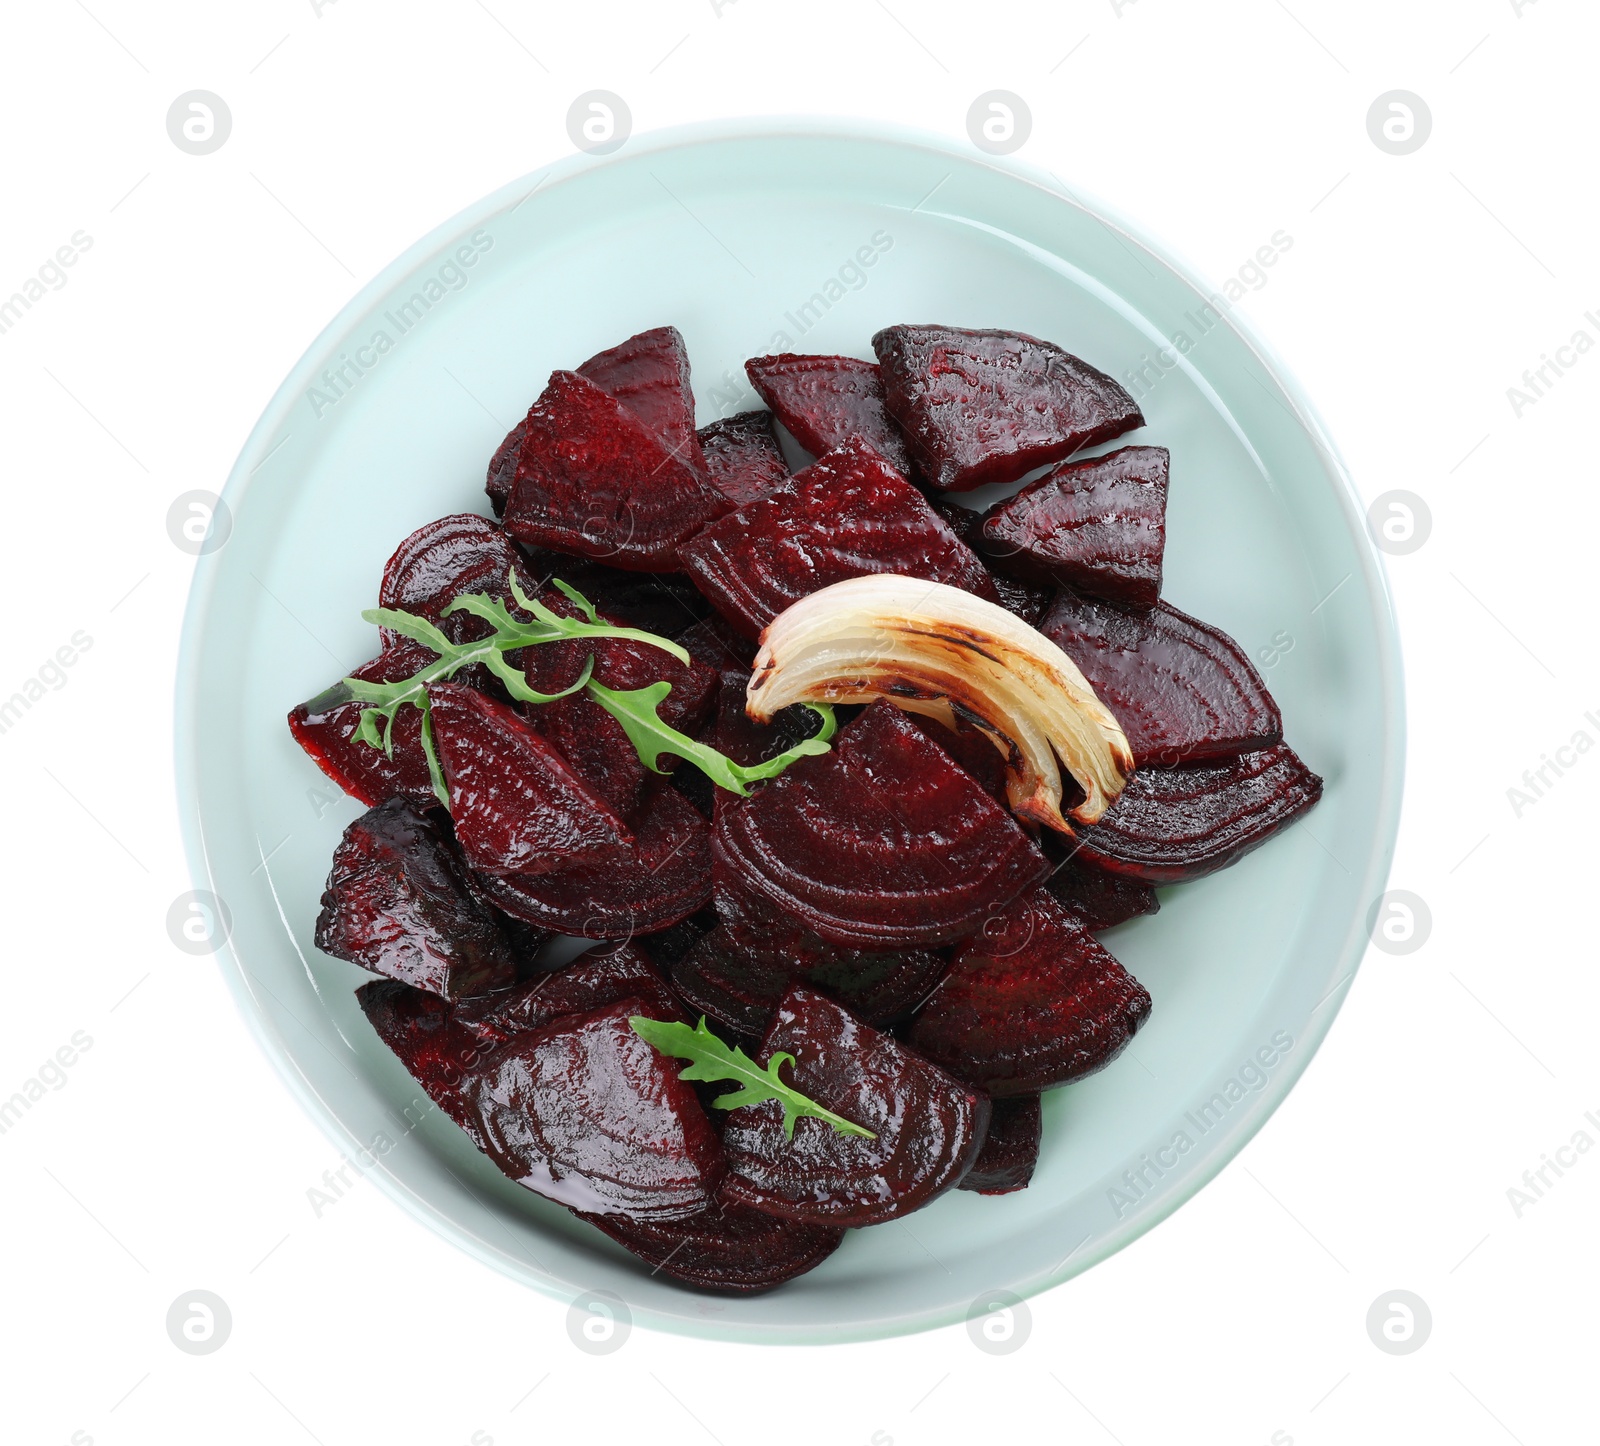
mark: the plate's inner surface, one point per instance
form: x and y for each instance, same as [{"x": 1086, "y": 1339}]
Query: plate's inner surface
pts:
[{"x": 749, "y": 246}]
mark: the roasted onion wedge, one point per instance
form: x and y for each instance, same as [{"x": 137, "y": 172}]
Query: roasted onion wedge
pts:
[{"x": 943, "y": 652}]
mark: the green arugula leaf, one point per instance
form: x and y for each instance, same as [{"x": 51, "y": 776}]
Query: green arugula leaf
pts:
[{"x": 711, "y": 1060}]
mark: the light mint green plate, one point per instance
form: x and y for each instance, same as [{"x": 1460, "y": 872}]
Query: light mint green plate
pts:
[{"x": 747, "y": 237}]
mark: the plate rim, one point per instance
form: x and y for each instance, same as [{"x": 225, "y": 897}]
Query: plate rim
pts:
[{"x": 1374, "y": 579}]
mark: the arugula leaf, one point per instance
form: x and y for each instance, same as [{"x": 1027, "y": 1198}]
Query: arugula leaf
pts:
[{"x": 710, "y": 1059}]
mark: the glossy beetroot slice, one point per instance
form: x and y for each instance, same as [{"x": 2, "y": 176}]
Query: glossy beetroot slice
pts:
[
  {"x": 664, "y": 877},
  {"x": 826, "y": 401},
  {"x": 1010, "y": 1150},
  {"x": 1098, "y": 527},
  {"x": 1182, "y": 691},
  {"x": 463, "y": 553},
  {"x": 743, "y": 458},
  {"x": 736, "y": 976},
  {"x": 1028, "y": 600},
  {"x": 929, "y": 1126},
  {"x": 727, "y": 1248},
  {"x": 398, "y": 902},
  {"x": 1097, "y": 897},
  {"x": 593, "y": 480},
  {"x": 585, "y": 1113},
  {"x": 1173, "y": 824},
  {"x": 1033, "y": 1002},
  {"x": 326, "y": 728},
  {"x": 883, "y": 843},
  {"x": 649, "y": 374},
  {"x": 518, "y": 807},
  {"x": 988, "y": 406},
  {"x": 849, "y": 513}
]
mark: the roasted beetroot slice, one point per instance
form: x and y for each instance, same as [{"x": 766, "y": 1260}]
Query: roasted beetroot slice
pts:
[
  {"x": 421, "y": 1031},
  {"x": 929, "y": 1126},
  {"x": 847, "y": 514},
  {"x": 585, "y": 1113},
  {"x": 398, "y": 902},
  {"x": 593, "y": 480},
  {"x": 737, "y": 977},
  {"x": 1173, "y": 824},
  {"x": 1034, "y": 1002},
  {"x": 1028, "y": 600},
  {"x": 1183, "y": 691},
  {"x": 590, "y": 982},
  {"x": 649, "y": 375},
  {"x": 1010, "y": 1150},
  {"x": 462, "y": 553},
  {"x": 326, "y": 728},
  {"x": 503, "y": 469},
  {"x": 1099, "y": 898},
  {"x": 826, "y": 401},
  {"x": 662, "y": 879},
  {"x": 885, "y": 842},
  {"x": 518, "y": 807},
  {"x": 727, "y": 1248},
  {"x": 1098, "y": 527},
  {"x": 743, "y": 458},
  {"x": 988, "y": 406},
  {"x": 972, "y": 750}
]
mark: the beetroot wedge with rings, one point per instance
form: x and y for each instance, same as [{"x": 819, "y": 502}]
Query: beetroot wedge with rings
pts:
[
  {"x": 587, "y": 1114},
  {"x": 1099, "y": 898},
  {"x": 884, "y": 842},
  {"x": 1010, "y": 1150},
  {"x": 463, "y": 553},
  {"x": 1175, "y": 824},
  {"x": 593, "y": 480},
  {"x": 1098, "y": 527},
  {"x": 660, "y": 880},
  {"x": 989, "y": 406},
  {"x": 727, "y": 1248},
  {"x": 928, "y": 1126},
  {"x": 1183, "y": 691},
  {"x": 399, "y": 903},
  {"x": 649, "y": 374},
  {"x": 849, "y": 513},
  {"x": 518, "y": 807},
  {"x": 326, "y": 728},
  {"x": 826, "y": 401},
  {"x": 743, "y": 458},
  {"x": 592, "y": 981},
  {"x": 1033, "y": 1002}
]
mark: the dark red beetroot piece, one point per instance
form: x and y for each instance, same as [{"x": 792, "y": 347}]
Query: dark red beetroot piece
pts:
[
  {"x": 882, "y": 843},
  {"x": 929, "y": 1126},
  {"x": 1010, "y": 1150},
  {"x": 588, "y": 737},
  {"x": 1182, "y": 691},
  {"x": 326, "y": 728},
  {"x": 848, "y": 513},
  {"x": 1174, "y": 824},
  {"x": 503, "y": 468},
  {"x": 593, "y": 980},
  {"x": 593, "y": 480},
  {"x": 826, "y": 401},
  {"x": 972, "y": 750},
  {"x": 715, "y": 644},
  {"x": 518, "y": 807},
  {"x": 421, "y": 1031},
  {"x": 743, "y": 458},
  {"x": 1098, "y": 527},
  {"x": 649, "y": 374},
  {"x": 989, "y": 406},
  {"x": 1098, "y": 898},
  {"x": 1033, "y": 1002},
  {"x": 585, "y": 1113},
  {"x": 398, "y": 902},
  {"x": 737, "y": 977},
  {"x": 728, "y": 1247},
  {"x": 1027, "y": 600},
  {"x": 463, "y": 553},
  {"x": 663, "y": 878}
]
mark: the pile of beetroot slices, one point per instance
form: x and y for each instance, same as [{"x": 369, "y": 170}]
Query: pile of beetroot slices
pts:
[{"x": 931, "y": 963}]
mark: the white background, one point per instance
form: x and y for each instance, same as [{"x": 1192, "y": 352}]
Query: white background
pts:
[{"x": 1417, "y": 291}]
